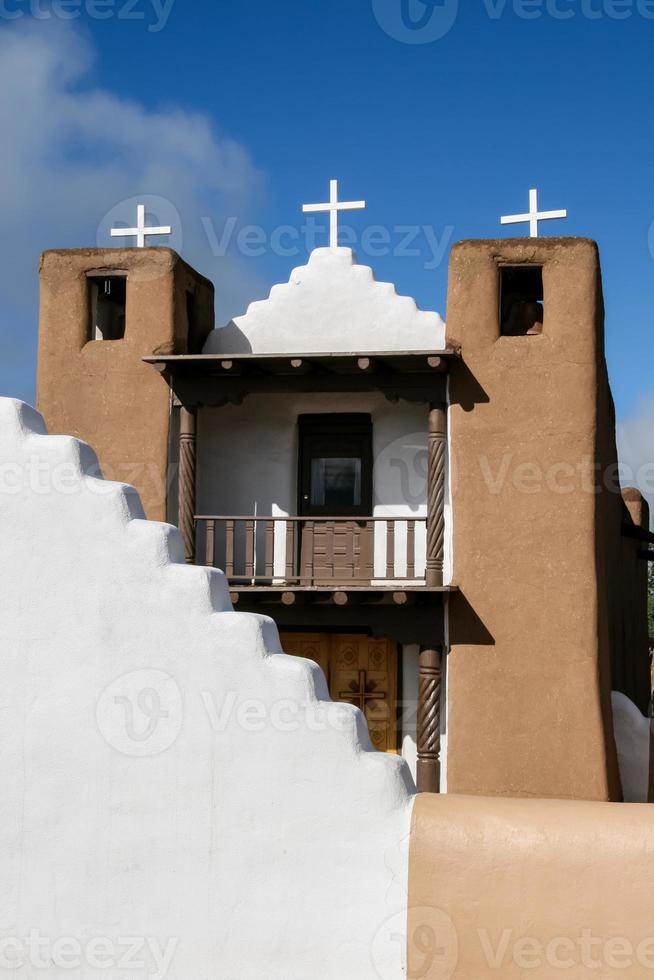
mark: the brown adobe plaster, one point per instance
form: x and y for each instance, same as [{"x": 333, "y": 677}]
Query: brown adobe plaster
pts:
[
  {"x": 530, "y": 882},
  {"x": 529, "y": 710},
  {"x": 100, "y": 391}
]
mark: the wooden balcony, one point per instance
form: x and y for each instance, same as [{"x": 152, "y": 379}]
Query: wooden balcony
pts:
[{"x": 326, "y": 555}]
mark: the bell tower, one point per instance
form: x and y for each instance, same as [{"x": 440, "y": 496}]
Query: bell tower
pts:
[
  {"x": 536, "y": 525},
  {"x": 101, "y": 312}
]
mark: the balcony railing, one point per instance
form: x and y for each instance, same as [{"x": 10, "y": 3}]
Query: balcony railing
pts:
[{"x": 313, "y": 551}]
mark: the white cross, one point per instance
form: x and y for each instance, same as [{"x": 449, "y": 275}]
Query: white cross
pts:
[
  {"x": 534, "y": 215},
  {"x": 140, "y": 232},
  {"x": 334, "y": 207}
]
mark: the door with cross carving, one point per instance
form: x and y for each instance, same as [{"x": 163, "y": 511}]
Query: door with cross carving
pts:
[{"x": 361, "y": 671}]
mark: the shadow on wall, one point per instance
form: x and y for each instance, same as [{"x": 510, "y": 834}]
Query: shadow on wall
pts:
[
  {"x": 465, "y": 390},
  {"x": 466, "y": 628},
  {"x": 228, "y": 340}
]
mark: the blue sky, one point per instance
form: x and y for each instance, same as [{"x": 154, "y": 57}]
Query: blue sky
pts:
[{"x": 243, "y": 110}]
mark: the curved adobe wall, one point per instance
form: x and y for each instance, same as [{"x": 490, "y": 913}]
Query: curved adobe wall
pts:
[{"x": 540, "y": 888}]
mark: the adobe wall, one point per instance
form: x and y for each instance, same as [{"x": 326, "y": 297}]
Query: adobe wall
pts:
[
  {"x": 539, "y": 888},
  {"x": 529, "y": 676},
  {"x": 168, "y": 774},
  {"x": 100, "y": 391}
]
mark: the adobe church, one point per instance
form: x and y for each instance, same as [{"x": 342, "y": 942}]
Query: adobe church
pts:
[{"x": 428, "y": 510}]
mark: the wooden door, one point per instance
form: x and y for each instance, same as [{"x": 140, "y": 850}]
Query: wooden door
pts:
[
  {"x": 361, "y": 671},
  {"x": 335, "y": 481}
]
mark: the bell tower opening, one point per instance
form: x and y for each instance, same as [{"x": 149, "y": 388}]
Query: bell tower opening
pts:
[
  {"x": 107, "y": 305},
  {"x": 522, "y": 311}
]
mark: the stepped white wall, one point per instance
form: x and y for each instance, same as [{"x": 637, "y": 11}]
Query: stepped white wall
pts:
[
  {"x": 329, "y": 305},
  {"x": 168, "y": 775}
]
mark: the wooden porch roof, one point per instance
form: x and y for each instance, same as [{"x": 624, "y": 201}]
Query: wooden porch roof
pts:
[{"x": 214, "y": 379}]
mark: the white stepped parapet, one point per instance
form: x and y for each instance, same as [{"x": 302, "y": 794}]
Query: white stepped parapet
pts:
[
  {"x": 330, "y": 305},
  {"x": 167, "y": 772}
]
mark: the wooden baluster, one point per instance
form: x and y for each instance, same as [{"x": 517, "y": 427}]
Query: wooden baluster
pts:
[
  {"x": 350, "y": 555},
  {"x": 368, "y": 550},
  {"x": 307, "y": 558},
  {"x": 357, "y": 557},
  {"x": 250, "y": 540},
  {"x": 330, "y": 561},
  {"x": 211, "y": 544},
  {"x": 229, "y": 549},
  {"x": 290, "y": 551},
  {"x": 270, "y": 549},
  {"x": 390, "y": 549},
  {"x": 411, "y": 549},
  {"x": 429, "y": 722}
]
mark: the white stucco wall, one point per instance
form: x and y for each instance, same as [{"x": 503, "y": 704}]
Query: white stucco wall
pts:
[
  {"x": 167, "y": 773},
  {"x": 331, "y": 304},
  {"x": 633, "y": 739},
  {"x": 248, "y": 456}
]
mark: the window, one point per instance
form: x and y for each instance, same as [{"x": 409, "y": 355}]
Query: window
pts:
[
  {"x": 522, "y": 312},
  {"x": 335, "y": 465},
  {"x": 335, "y": 482},
  {"x": 107, "y": 300}
]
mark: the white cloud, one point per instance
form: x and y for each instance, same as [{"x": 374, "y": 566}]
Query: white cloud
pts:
[
  {"x": 71, "y": 153},
  {"x": 636, "y": 449}
]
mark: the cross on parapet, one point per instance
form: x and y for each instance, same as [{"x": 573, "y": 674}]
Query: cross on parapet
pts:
[
  {"x": 140, "y": 232},
  {"x": 333, "y": 207},
  {"x": 534, "y": 215}
]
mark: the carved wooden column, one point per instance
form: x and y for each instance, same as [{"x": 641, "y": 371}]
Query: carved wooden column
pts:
[
  {"x": 429, "y": 722},
  {"x": 186, "y": 484},
  {"x": 436, "y": 493}
]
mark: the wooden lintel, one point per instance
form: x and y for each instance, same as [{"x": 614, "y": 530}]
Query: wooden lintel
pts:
[{"x": 638, "y": 533}]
